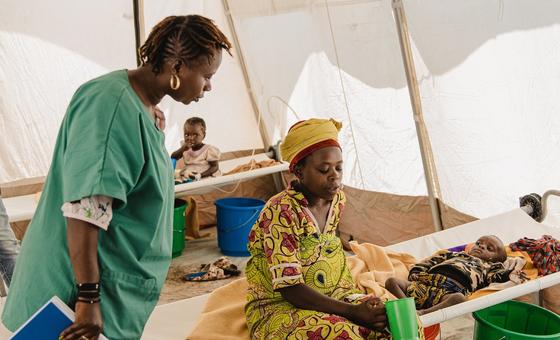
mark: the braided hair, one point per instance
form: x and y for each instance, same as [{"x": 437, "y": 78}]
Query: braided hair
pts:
[{"x": 183, "y": 38}]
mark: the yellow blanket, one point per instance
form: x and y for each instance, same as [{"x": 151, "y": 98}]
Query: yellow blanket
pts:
[{"x": 223, "y": 317}]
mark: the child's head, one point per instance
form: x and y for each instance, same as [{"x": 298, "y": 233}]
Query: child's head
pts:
[
  {"x": 315, "y": 156},
  {"x": 194, "y": 131},
  {"x": 489, "y": 248}
]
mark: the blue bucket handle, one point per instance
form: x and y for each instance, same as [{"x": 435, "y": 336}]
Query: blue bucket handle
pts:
[{"x": 242, "y": 224}]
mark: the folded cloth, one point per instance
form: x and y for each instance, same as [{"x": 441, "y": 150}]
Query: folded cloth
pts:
[
  {"x": 192, "y": 224},
  {"x": 544, "y": 252},
  {"x": 223, "y": 317},
  {"x": 373, "y": 265},
  {"x": 252, "y": 165}
]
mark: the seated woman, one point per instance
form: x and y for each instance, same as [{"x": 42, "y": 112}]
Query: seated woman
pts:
[
  {"x": 196, "y": 160},
  {"x": 299, "y": 284},
  {"x": 447, "y": 278}
]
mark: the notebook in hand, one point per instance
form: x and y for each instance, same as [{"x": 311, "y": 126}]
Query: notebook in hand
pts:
[{"x": 48, "y": 322}]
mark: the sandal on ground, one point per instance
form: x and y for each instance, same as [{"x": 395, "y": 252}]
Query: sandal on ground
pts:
[
  {"x": 208, "y": 272},
  {"x": 227, "y": 266}
]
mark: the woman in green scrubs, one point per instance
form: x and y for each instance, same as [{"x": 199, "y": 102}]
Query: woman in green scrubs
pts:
[{"x": 110, "y": 171}]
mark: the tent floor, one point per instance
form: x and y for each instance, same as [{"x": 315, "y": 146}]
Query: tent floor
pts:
[
  {"x": 196, "y": 252},
  {"x": 460, "y": 328}
]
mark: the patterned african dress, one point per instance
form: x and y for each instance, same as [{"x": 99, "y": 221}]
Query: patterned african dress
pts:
[{"x": 287, "y": 248}]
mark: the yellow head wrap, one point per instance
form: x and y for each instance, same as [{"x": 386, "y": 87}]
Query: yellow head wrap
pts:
[{"x": 307, "y": 136}]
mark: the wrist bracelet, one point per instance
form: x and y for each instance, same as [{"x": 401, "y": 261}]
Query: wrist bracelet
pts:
[
  {"x": 89, "y": 301},
  {"x": 88, "y": 291},
  {"x": 88, "y": 286},
  {"x": 89, "y": 295}
]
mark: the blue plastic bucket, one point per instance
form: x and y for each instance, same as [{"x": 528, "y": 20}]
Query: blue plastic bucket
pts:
[{"x": 235, "y": 216}]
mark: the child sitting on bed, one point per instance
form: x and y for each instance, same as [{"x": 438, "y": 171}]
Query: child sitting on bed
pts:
[
  {"x": 447, "y": 277},
  {"x": 196, "y": 160}
]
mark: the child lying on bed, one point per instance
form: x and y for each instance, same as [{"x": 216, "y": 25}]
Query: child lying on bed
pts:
[
  {"x": 197, "y": 160},
  {"x": 447, "y": 278}
]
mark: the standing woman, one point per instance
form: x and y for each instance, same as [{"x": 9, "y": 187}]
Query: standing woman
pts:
[{"x": 101, "y": 237}]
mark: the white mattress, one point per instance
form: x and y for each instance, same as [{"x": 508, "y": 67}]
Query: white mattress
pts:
[
  {"x": 174, "y": 320},
  {"x": 22, "y": 208},
  {"x": 209, "y": 184}
]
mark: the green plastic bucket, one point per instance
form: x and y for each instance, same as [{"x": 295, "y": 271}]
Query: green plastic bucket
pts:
[
  {"x": 178, "y": 228},
  {"x": 514, "y": 320}
]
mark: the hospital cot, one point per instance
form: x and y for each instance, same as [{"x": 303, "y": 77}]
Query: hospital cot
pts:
[{"x": 165, "y": 323}]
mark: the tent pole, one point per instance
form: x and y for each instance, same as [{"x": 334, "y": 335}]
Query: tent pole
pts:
[
  {"x": 262, "y": 128},
  {"x": 139, "y": 26},
  {"x": 421, "y": 131}
]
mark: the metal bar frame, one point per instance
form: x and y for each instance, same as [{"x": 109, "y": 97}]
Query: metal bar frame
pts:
[
  {"x": 545, "y": 197},
  {"x": 139, "y": 27},
  {"x": 421, "y": 131}
]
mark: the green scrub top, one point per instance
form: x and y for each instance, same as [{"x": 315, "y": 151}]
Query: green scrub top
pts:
[{"x": 108, "y": 144}]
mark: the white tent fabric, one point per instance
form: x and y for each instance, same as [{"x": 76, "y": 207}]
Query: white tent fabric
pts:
[
  {"x": 488, "y": 70},
  {"x": 488, "y": 73},
  {"x": 47, "y": 49},
  {"x": 490, "y": 91},
  {"x": 369, "y": 95},
  {"x": 376, "y": 142}
]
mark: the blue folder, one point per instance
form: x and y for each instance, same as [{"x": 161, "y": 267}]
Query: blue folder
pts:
[{"x": 47, "y": 323}]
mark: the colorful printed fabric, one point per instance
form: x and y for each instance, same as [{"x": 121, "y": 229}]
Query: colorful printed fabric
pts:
[
  {"x": 429, "y": 289},
  {"x": 470, "y": 271},
  {"x": 304, "y": 135},
  {"x": 96, "y": 209},
  {"x": 287, "y": 248},
  {"x": 544, "y": 252}
]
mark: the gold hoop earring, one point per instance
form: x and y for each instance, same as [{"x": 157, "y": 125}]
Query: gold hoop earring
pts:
[{"x": 174, "y": 82}]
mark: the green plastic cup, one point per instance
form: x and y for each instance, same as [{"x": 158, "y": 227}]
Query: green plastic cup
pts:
[{"x": 402, "y": 319}]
